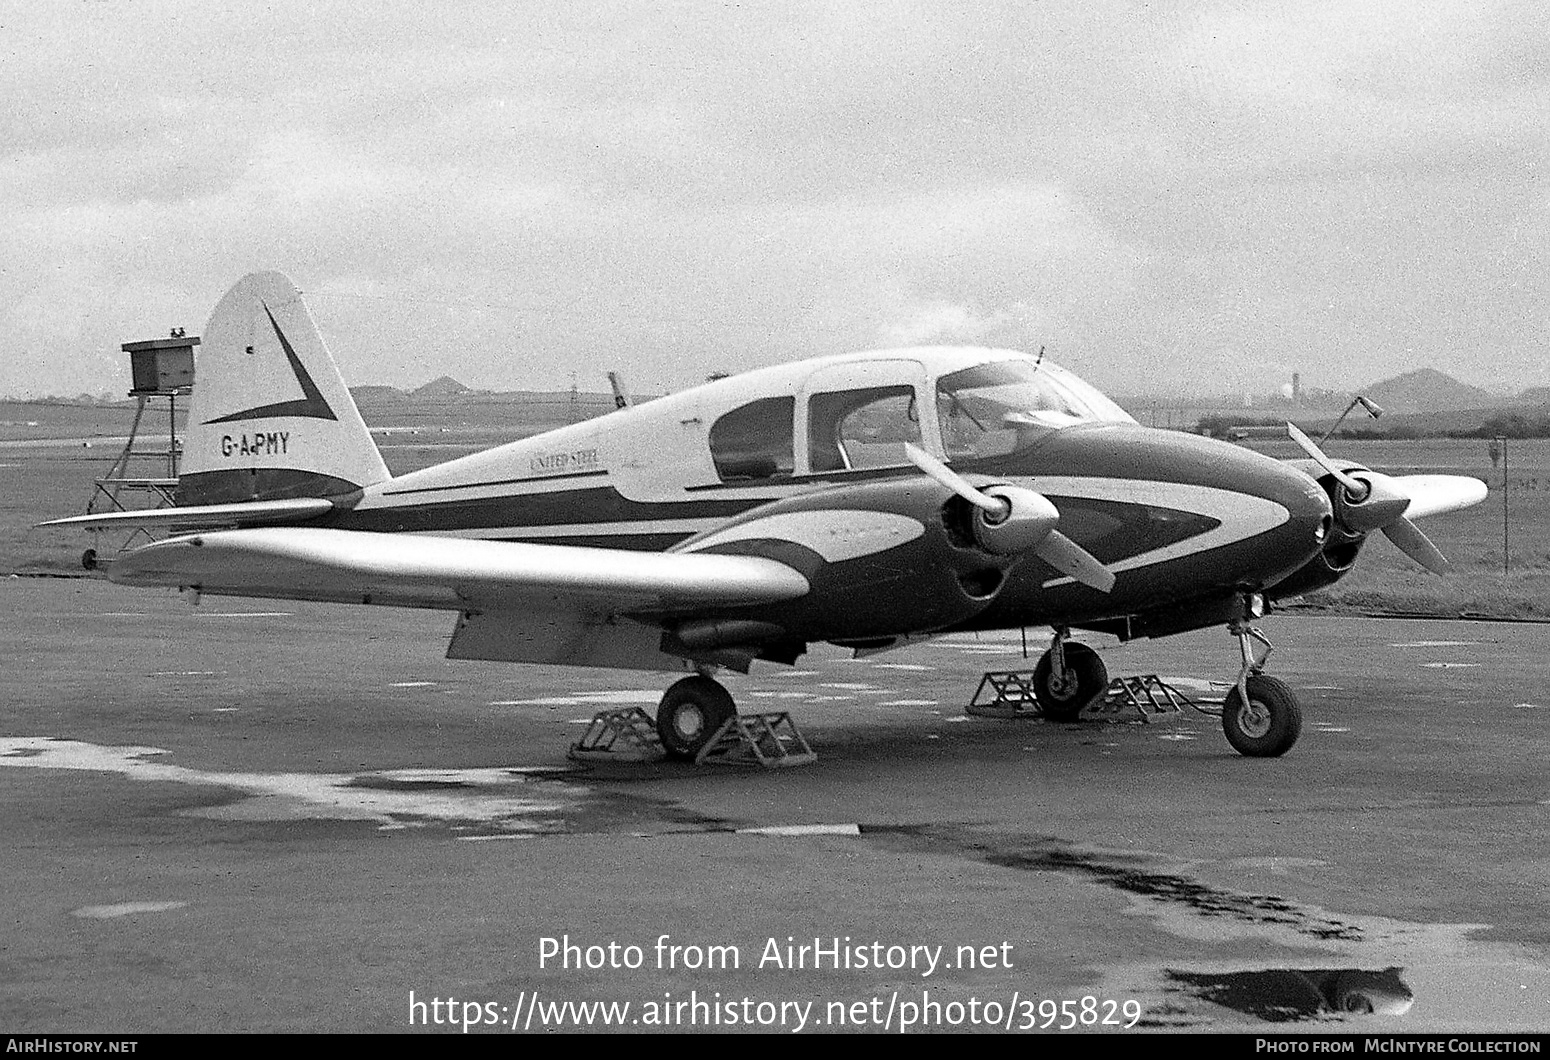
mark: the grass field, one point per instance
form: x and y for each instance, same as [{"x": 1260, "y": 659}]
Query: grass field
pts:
[{"x": 48, "y": 470}]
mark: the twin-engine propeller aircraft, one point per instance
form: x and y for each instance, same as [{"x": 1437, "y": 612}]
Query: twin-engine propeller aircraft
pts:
[{"x": 867, "y": 500}]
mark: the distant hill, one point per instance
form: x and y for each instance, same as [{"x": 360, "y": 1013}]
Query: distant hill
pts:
[
  {"x": 445, "y": 387},
  {"x": 375, "y": 395},
  {"x": 1428, "y": 390}
]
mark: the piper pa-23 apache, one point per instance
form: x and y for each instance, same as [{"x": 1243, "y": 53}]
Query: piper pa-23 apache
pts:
[{"x": 868, "y": 500}]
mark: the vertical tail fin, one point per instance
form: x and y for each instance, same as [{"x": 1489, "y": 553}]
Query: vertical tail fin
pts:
[{"x": 271, "y": 416}]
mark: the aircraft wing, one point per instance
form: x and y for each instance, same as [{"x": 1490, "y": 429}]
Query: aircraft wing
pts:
[{"x": 411, "y": 570}]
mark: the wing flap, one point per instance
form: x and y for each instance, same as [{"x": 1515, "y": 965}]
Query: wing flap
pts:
[
  {"x": 313, "y": 563},
  {"x": 562, "y": 638}
]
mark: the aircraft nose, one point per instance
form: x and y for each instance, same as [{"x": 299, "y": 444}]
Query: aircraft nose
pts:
[{"x": 1269, "y": 517}]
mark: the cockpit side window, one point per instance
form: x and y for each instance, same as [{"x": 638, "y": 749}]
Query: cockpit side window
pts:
[
  {"x": 754, "y": 441},
  {"x": 849, "y": 429}
]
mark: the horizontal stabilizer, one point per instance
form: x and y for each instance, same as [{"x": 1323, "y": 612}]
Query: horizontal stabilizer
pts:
[
  {"x": 411, "y": 570},
  {"x": 248, "y": 513}
]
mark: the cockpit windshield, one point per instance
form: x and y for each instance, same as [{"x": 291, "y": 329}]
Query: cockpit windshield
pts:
[{"x": 1001, "y": 406}]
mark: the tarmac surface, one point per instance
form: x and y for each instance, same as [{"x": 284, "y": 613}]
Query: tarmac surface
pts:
[{"x": 253, "y": 815}]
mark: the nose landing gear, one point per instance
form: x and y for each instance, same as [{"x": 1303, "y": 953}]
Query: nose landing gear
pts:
[{"x": 1261, "y": 717}]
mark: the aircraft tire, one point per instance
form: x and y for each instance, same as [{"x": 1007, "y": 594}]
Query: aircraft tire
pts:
[
  {"x": 1086, "y": 679},
  {"x": 1269, "y": 725},
  {"x": 690, "y": 713}
]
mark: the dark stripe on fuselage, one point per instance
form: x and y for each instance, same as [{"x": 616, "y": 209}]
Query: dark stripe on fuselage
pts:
[
  {"x": 528, "y": 480},
  {"x": 831, "y": 478}
]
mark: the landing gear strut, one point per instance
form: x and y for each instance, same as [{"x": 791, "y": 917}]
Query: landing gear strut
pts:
[
  {"x": 690, "y": 713},
  {"x": 1068, "y": 677},
  {"x": 1260, "y": 716}
]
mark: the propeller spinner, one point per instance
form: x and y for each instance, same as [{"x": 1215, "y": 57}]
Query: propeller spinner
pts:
[{"x": 1014, "y": 519}]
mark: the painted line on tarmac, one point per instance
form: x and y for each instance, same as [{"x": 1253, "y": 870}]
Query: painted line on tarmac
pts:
[
  {"x": 802, "y": 830},
  {"x": 582, "y": 699},
  {"x": 108, "y": 912},
  {"x": 1435, "y": 644},
  {"x": 244, "y": 614}
]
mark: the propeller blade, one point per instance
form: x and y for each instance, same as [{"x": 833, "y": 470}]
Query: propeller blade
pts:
[
  {"x": 1353, "y": 486},
  {"x": 1436, "y": 494},
  {"x": 1066, "y": 556},
  {"x": 953, "y": 481},
  {"x": 1413, "y": 543}
]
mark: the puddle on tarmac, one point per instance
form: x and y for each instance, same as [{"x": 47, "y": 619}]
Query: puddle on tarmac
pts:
[
  {"x": 1363, "y": 973},
  {"x": 469, "y": 801},
  {"x": 1286, "y": 995}
]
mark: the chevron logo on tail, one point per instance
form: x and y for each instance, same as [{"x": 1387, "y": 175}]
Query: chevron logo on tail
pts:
[{"x": 312, "y": 405}]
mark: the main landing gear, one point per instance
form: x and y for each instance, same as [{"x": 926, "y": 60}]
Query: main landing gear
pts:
[
  {"x": 691, "y": 712},
  {"x": 1068, "y": 677}
]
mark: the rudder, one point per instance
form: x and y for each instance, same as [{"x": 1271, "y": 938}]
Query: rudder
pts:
[{"x": 271, "y": 416}]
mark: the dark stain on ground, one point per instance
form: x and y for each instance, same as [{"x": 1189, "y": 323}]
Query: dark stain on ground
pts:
[{"x": 1123, "y": 872}]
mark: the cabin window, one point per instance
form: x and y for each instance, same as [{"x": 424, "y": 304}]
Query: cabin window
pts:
[
  {"x": 754, "y": 441},
  {"x": 852, "y": 429}
]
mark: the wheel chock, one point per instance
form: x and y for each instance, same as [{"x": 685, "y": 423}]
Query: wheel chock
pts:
[
  {"x": 771, "y": 740},
  {"x": 1005, "y": 694},
  {"x": 627, "y": 734},
  {"x": 1151, "y": 697}
]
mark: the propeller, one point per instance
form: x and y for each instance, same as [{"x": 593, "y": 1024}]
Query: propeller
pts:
[
  {"x": 1013, "y": 519},
  {"x": 1385, "y": 502}
]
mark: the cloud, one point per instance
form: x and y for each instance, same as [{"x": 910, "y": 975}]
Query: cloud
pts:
[{"x": 946, "y": 323}]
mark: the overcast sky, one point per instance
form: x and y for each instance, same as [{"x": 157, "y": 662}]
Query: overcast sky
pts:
[{"x": 1169, "y": 196}]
